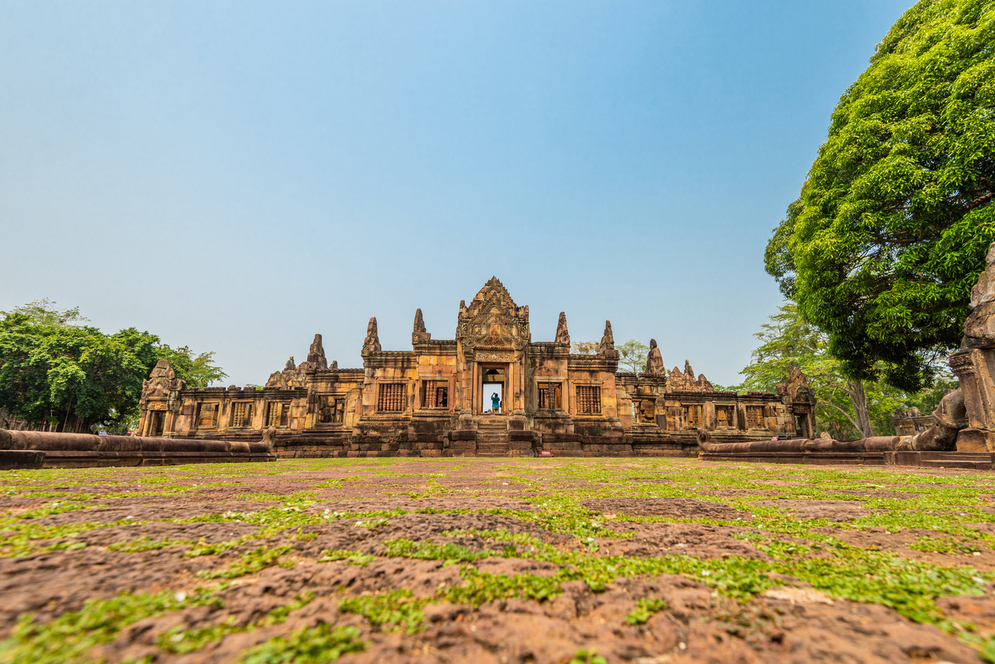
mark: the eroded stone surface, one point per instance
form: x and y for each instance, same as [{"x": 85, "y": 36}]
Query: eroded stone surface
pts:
[{"x": 476, "y": 507}]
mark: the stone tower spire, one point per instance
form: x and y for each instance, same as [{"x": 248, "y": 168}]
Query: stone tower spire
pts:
[
  {"x": 607, "y": 348},
  {"x": 372, "y": 340},
  {"x": 562, "y": 335},
  {"x": 316, "y": 354},
  {"x": 419, "y": 334}
]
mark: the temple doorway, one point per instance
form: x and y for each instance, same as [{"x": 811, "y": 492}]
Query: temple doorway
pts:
[
  {"x": 157, "y": 423},
  {"x": 492, "y": 390}
]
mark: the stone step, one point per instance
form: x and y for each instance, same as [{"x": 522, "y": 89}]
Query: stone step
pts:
[
  {"x": 492, "y": 436},
  {"x": 958, "y": 464}
]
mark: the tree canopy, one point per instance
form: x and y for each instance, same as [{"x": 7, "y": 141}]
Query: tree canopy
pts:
[
  {"x": 846, "y": 407},
  {"x": 55, "y": 371},
  {"x": 890, "y": 231},
  {"x": 632, "y": 355}
]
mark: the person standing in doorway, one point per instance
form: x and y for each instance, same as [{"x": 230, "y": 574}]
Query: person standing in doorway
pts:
[{"x": 495, "y": 403}]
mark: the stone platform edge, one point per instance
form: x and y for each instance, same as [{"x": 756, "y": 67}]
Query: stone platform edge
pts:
[
  {"x": 39, "y": 449},
  {"x": 984, "y": 461}
]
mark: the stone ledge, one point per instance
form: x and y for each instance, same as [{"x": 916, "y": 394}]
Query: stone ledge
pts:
[
  {"x": 21, "y": 459},
  {"x": 80, "y": 450},
  {"x": 963, "y": 460}
]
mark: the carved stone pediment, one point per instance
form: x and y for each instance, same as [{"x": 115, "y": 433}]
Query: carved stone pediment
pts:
[
  {"x": 161, "y": 383},
  {"x": 493, "y": 321},
  {"x": 795, "y": 389}
]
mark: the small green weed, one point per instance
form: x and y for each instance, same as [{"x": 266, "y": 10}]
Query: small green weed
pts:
[
  {"x": 351, "y": 557},
  {"x": 143, "y": 543},
  {"x": 480, "y": 587},
  {"x": 308, "y": 645},
  {"x": 250, "y": 563},
  {"x": 588, "y": 657},
  {"x": 645, "y": 608},
  {"x": 393, "y": 609},
  {"x": 451, "y": 553},
  {"x": 947, "y": 545}
]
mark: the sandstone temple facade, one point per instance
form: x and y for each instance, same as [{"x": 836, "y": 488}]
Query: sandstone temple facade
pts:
[{"x": 438, "y": 398}]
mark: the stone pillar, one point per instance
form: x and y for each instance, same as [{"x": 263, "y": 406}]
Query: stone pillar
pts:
[
  {"x": 976, "y": 370},
  {"x": 708, "y": 419}
]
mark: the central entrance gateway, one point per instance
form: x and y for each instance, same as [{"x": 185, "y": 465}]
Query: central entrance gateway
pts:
[
  {"x": 492, "y": 339},
  {"x": 494, "y": 377}
]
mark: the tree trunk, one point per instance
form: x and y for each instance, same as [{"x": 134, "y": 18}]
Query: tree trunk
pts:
[{"x": 858, "y": 397}]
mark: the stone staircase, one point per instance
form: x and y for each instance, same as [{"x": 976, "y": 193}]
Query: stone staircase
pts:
[{"x": 492, "y": 436}]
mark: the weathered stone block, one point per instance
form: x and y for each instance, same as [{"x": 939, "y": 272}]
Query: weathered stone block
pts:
[{"x": 976, "y": 440}]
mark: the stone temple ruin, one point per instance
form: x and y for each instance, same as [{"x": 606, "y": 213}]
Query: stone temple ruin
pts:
[{"x": 437, "y": 398}]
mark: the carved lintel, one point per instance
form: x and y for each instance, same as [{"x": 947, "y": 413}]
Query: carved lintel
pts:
[
  {"x": 962, "y": 364},
  {"x": 494, "y": 356}
]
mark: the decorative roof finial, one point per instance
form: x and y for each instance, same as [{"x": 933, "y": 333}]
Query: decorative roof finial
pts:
[
  {"x": 562, "y": 335},
  {"x": 607, "y": 348},
  {"x": 419, "y": 334},
  {"x": 372, "y": 340}
]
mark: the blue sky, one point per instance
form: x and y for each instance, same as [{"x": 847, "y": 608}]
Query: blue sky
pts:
[{"x": 236, "y": 176}]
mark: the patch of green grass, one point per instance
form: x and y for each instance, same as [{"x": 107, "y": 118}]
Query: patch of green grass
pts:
[
  {"x": 897, "y": 521},
  {"x": 251, "y": 562},
  {"x": 181, "y": 641},
  {"x": 68, "y": 638},
  {"x": 500, "y": 535},
  {"x": 21, "y": 539},
  {"x": 784, "y": 550},
  {"x": 291, "y": 515},
  {"x": 54, "y": 508},
  {"x": 481, "y": 587},
  {"x": 143, "y": 543},
  {"x": 308, "y": 645},
  {"x": 645, "y": 608},
  {"x": 351, "y": 557},
  {"x": 947, "y": 545},
  {"x": 397, "y": 608},
  {"x": 450, "y": 553}
]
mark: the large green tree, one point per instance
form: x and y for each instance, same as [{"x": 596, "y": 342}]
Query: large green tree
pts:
[
  {"x": 54, "y": 371},
  {"x": 846, "y": 407},
  {"x": 890, "y": 231}
]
